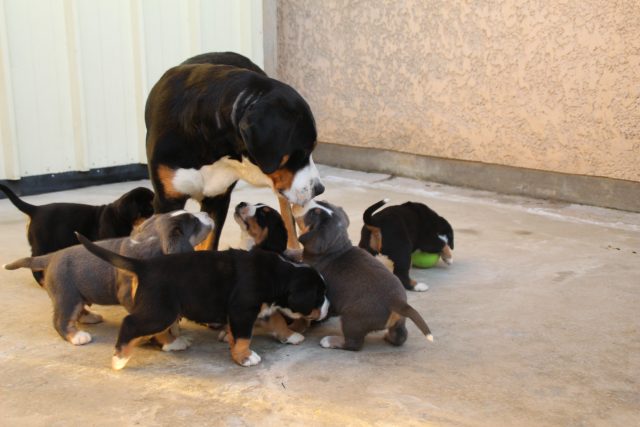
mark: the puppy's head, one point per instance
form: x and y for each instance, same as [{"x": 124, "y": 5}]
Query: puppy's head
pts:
[
  {"x": 135, "y": 206},
  {"x": 306, "y": 295},
  {"x": 264, "y": 226},
  {"x": 177, "y": 231},
  {"x": 279, "y": 132},
  {"x": 323, "y": 227},
  {"x": 445, "y": 233}
]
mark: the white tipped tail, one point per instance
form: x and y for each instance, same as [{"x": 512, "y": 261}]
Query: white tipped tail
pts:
[{"x": 430, "y": 337}]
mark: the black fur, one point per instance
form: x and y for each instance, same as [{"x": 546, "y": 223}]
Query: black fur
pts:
[
  {"x": 404, "y": 229},
  {"x": 212, "y": 287},
  {"x": 51, "y": 226}
]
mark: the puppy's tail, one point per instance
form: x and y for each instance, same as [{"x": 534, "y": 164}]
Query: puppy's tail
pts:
[
  {"x": 36, "y": 263},
  {"x": 18, "y": 202},
  {"x": 406, "y": 310},
  {"x": 117, "y": 260},
  {"x": 368, "y": 213}
]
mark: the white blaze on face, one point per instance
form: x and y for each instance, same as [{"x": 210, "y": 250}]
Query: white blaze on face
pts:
[
  {"x": 306, "y": 179},
  {"x": 300, "y": 211}
]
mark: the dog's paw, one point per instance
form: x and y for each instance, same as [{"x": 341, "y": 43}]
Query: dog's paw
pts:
[
  {"x": 223, "y": 336},
  {"x": 421, "y": 287},
  {"x": 252, "y": 359},
  {"x": 294, "y": 338},
  {"x": 90, "y": 318},
  {"x": 118, "y": 362},
  {"x": 80, "y": 338},
  {"x": 180, "y": 343},
  {"x": 332, "y": 342},
  {"x": 447, "y": 261}
]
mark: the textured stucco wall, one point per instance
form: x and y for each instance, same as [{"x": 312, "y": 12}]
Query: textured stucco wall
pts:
[{"x": 549, "y": 85}]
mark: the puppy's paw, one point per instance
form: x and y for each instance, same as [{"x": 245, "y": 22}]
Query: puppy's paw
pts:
[
  {"x": 332, "y": 342},
  {"x": 223, "y": 336},
  {"x": 252, "y": 359},
  {"x": 90, "y": 318},
  {"x": 119, "y": 362},
  {"x": 294, "y": 338},
  {"x": 180, "y": 343},
  {"x": 447, "y": 260},
  {"x": 80, "y": 338},
  {"x": 421, "y": 287}
]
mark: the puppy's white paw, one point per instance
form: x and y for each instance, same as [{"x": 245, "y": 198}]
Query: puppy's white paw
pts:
[
  {"x": 332, "y": 342},
  {"x": 447, "y": 261},
  {"x": 80, "y": 338},
  {"x": 326, "y": 342},
  {"x": 118, "y": 362},
  {"x": 294, "y": 338},
  {"x": 90, "y": 318},
  {"x": 252, "y": 360},
  {"x": 421, "y": 287},
  {"x": 223, "y": 336},
  {"x": 180, "y": 343}
]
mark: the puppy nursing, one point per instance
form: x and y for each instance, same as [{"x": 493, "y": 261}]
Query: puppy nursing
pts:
[{"x": 360, "y": 289}]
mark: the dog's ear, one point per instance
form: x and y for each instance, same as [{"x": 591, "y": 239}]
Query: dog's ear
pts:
[
  {"x": 307, "y": 237},
  {"x": 267, "y": 155},
  {"x": 175, "y": 242}
]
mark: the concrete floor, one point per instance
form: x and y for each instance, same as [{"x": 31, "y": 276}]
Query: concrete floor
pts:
[{"x": 537, "y": 322}]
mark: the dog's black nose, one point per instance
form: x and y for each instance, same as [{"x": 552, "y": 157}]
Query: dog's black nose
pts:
[
  {"x": 318, "y": 189},
  {"x": 240, "y": 206}
]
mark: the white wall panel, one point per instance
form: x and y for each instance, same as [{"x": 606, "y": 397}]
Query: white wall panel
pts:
[{"x": 74, "y": 74}]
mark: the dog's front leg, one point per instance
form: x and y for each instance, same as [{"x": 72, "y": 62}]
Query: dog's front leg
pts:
[
  {"x": 289, "y": 224},
  {"x": 239, "y": 335}
]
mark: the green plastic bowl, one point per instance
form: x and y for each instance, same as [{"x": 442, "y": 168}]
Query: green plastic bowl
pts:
[{"x": 424, "y": 259}]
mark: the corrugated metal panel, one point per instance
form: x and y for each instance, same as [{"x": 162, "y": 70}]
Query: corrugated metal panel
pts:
[{"x": 74, "y": 74}]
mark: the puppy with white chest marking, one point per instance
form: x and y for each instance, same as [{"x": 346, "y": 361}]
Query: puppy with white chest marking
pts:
[
  {"x": 75, "y": 278},
  {"x": 398, "y": 231},
  {"x": 51, "y": 226},
  {"x": 233, "y": 287},
  {"x": 365, "y": 295}
]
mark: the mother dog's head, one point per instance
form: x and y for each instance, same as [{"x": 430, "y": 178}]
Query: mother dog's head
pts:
[{"x": 279, "y": 132}]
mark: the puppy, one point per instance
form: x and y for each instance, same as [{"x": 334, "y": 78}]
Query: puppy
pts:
[
  {"x": 234, "y": 287},
  {"x": 51, "y": 226},
  {"x": 366, "y": 295},
  {"x": 262, "y": 227},
  {"x": 398, "y": 231},
  {"x": 74, "y": 277}
]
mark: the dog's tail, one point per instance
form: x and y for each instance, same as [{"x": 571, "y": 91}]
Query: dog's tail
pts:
[
  {"x": 406, "y": 310},
  {"x": 368, "y": 213},
  {"x": 36, "y": 263},
  {"x": 18, "y": 202},
  {"x": 117, "y": 260}
]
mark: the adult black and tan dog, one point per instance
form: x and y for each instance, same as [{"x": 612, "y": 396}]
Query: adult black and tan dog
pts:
[
  {"x": 51, "y": 226},
  {"x": 218, "y": 118}
]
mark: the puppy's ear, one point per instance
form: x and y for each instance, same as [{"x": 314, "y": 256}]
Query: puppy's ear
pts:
[
  {"x": 176, "y": 242},
  {"x": 307, "y": 237}
]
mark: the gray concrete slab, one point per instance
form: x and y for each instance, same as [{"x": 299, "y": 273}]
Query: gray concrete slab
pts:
[{"x": 535, "y": 323}]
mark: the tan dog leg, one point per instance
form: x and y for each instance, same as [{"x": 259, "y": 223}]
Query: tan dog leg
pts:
[
  {"x": 171, "y": 339},
  {"x": 446, "y": 255},
  {"x": 277, "y": 326},
  {"x": 206, "y": 244},
  {"x": 240, "y": 351},
  {"x": 289, "y": 224}
]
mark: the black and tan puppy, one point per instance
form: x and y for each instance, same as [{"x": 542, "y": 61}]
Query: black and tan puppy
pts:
[
  {"x": 262, "y": 227},
  {"x": 398, "y": 231},
  {"x": 362, "y": 291},
  {"x": 75, "y": 278},
  {"x": 218, "y": 118},
  {"x": 51, "y": 226},
  {"x": 233, "y": 287}
]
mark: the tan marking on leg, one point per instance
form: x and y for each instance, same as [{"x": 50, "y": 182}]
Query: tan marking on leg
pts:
[
  {"x": 393, "y": 319},
  {"x": 134, "y": 287},
  {"x": 277, "y": 326},
  {"x": 240, "y": 350},
  {"x": 446, "y": 254},
  {"x": 413, "y": 283},
  {"x": 386, "y": 261},
  {"x": 375, "y": 239},
  {"x": 166, "y": 175},
  {"x": 289, "y": 224},
  {"x": 206, "y": 244}
]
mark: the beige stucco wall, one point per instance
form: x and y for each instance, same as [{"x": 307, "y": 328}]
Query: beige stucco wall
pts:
[{"x": 549, "y": 85}]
